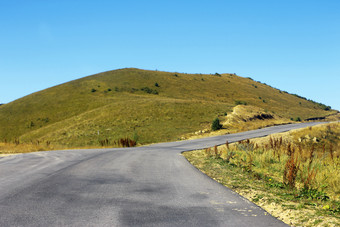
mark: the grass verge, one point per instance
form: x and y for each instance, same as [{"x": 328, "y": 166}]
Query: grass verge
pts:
[{"x": 294, "y": 176}]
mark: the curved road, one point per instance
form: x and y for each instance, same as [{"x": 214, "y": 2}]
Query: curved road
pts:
[{"x": 144, "y": 186}]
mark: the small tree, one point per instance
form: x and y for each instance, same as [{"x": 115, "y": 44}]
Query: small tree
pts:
[{"x": 216, "y": 125}]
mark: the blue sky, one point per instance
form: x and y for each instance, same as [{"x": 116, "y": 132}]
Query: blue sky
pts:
[{"x": 290, "y": 45}]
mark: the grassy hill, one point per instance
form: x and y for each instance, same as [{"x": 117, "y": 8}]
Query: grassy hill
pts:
[{"x": 152, "y": 106}]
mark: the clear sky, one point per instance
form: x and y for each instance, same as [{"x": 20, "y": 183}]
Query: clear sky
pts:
[{"x": 293, "y": 45}]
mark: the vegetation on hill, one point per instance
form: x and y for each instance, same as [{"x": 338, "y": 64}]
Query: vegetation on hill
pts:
[{"x": 152, "y": 106}]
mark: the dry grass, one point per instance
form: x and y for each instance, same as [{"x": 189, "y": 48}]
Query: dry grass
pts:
[
  {"x": 116, "y": 104},
  {"x": 296, "y": 173},
  {"x": 242, "y": 118},
  {"x": 11, "y": 148}
]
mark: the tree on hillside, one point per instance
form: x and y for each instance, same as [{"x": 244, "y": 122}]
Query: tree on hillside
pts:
[{"x": 216, "y": 125}]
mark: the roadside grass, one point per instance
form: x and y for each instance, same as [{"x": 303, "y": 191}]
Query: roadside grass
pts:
[
  {"x": 157, "y": 106},
  {"x": 294, "y": 179},
  {"x": 17, "y": 148},
  {"x": 242, "y": 118},
  {"x": 11, "y": 148}
]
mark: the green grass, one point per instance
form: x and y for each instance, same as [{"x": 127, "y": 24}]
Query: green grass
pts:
[{"x": 157, "y": 106}]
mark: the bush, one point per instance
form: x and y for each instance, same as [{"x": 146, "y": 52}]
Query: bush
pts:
[
  {"x": 93, "y": 90},
  {"x": 238, "y": 102},
  {"x": 324, "y": 107},
  {"x": 149, "y": 90},
  {"x": 216, "y": 125}
]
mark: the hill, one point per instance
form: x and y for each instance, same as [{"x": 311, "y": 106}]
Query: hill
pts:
[{"x": 152, "y": 106}]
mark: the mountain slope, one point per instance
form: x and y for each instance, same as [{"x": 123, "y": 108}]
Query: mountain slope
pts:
[{"x": 151, "y": 105}]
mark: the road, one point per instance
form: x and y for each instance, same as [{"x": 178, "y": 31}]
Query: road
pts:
[{"x": 144, "y": 186}]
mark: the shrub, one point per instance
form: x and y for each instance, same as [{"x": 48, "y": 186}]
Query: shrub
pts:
[
  {"x": 93, "y": 90},
  {"x": 239, "y": 102},
  {"x": 324, "y": 107},
  {"x": 149, "y": 90},
  {"x": 31, "y": 124},
  {"x": 156, "y": 85},
  {"x": 216, "y": 125}
]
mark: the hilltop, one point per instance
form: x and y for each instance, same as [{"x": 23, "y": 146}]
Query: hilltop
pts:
[{"x": 148, "y": 106}]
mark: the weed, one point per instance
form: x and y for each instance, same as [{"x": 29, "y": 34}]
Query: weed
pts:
[
  {"x": 230, "y": 155},
  {"x": 126, "y": 142},
  {"x": 135, "y": 137},
  {"x": 290, "y": 171},
  {"x": 311, "y": 193},
  {"x": 276, "y": 184},
  {"x": 248, "y": 162},
  {"x": 216, "y": 151},
  {"x": 104, "y": 142},
  {"x": 310, "y": 177}
]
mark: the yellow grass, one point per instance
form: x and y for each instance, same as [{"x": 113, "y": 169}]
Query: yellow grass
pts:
[
  {"x": 116, "y": 104},
  {"x": 256, "y": 170}
]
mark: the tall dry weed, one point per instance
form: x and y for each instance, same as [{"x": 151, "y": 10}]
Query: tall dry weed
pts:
[{"x": 291, "y": 167}]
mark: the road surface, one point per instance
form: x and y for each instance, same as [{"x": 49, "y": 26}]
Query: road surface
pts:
[{"x": 144, "y": 186}]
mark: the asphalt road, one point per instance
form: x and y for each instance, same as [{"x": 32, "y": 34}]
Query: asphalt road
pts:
[{"x": 144, "y": 186}]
